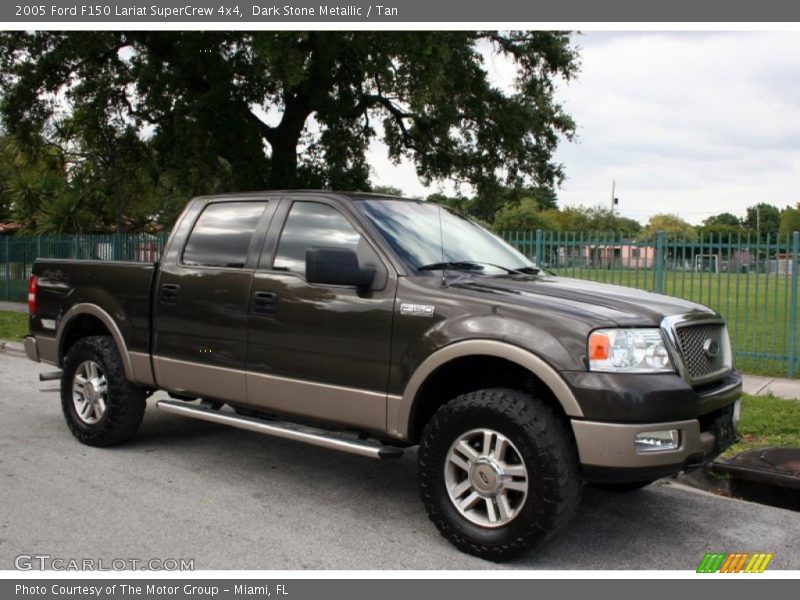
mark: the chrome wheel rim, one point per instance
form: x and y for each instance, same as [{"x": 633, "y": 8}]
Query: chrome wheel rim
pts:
[
  {"x": 89, "y": 392},
  {"x": 486, "y": 478}
]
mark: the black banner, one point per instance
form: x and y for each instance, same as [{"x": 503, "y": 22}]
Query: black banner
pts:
[{"x": 396, "y": 11}]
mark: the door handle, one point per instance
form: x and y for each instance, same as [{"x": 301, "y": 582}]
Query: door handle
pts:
[
  {"x": 169, "y": 293},
  {"x": 264, "y": 302}
]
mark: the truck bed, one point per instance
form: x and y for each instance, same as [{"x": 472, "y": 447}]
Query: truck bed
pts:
[{"x": 122, "y": 289}]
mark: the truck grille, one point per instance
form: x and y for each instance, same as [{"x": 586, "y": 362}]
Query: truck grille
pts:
[{"x": 692, "y": 342}]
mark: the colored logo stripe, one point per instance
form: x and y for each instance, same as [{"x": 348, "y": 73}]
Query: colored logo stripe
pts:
[
  {"x": 734, "y": 563},
  {"x": 758, "y": 563},
  {"x": 711, "y": 562}
]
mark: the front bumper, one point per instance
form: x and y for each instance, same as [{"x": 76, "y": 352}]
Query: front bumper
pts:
[
  {"x": 608, "y": 453},
  {"x": 607, "y": 447}
]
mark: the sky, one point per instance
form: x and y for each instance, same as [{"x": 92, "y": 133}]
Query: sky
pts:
[{"x": 689, "y": 123}]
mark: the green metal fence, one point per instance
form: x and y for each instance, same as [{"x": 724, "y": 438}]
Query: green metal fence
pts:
[
  {"x": 752, "y": 281},
  {"x": 17, "y": 253}
]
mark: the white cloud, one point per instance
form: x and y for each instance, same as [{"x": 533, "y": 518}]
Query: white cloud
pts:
[{"x": 685, "y": 122}]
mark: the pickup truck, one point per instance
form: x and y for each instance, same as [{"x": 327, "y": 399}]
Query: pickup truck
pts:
[{"x": 373, "y": 324}]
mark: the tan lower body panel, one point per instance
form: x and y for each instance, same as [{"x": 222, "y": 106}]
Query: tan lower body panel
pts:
[
  {"x": 142, "y": 369},
  {"x": 349, "y": 406},
  {"x": 612, "y": 444},
  {"x": 198, "y": 379}
]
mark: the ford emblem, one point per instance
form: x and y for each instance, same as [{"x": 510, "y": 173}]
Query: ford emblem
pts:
[{"x": 711, "y": 348}]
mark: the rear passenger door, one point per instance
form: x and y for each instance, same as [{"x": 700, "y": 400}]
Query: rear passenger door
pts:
[{"x": 201, "y": 300}]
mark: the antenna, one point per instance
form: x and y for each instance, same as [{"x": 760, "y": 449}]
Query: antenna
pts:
[{"x": 441, "y": 244}]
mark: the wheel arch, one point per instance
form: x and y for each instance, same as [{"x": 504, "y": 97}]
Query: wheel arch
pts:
[
  {"x": 85, "y": 317},
  {"x": 404, "y": 411}
]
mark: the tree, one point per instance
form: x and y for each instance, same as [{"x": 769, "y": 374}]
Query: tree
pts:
[
  {"x": 525, "y": 216},
  {"x": 34, "y": 186},
  {"x": 299, "y": 109},
  {"x": 387, "y": 190},
  {"x": 790, "y": 221},
  {"x": 596, "y": 218},
  {"x": 490, "y": 199},
  {"x": 763, "y": 217},
  {"x": 672, "y": 225},
  {"x": 722, "y": 224},
  {"x": 725, "y": 219}
]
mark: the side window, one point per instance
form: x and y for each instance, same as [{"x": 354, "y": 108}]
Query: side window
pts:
[
  {"x": 222, "y": 234},
  {"x": 315, "y": 225}
]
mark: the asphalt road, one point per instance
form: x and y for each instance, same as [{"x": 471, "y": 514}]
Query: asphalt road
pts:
[{"x": 231, "y": 499}]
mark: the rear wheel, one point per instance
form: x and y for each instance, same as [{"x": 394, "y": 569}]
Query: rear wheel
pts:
[
  {"x": 498, "y": 473},
  {"x": 100, "y": 405}
]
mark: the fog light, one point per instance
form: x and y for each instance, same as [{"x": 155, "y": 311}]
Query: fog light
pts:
[
  {"x": 737, "y": 413},
  {"x": 656, "y": 441}
]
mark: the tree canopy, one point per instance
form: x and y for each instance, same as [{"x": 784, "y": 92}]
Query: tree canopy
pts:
[
  {"x": 763, "y": 218},
  {"x": 151, "y": 118},
  {"x": 790, "y": 221},
  {"x": 593, "y": 218},
  {"x": 525, "y": 216},
  {"x": 671, "y": 225}
]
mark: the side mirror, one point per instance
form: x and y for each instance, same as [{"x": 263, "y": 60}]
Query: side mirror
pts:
[{"x": 337, "y": 266}]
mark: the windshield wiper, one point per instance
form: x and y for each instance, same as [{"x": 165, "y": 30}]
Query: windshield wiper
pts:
[
  {"x": 532, "y": 270},
  {"x": 470, "y": 265}
]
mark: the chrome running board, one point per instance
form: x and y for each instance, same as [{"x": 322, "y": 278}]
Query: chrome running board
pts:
[{"x": 288, "y": 431}]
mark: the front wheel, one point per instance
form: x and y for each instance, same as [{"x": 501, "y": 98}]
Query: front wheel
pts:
[
  {"x": 498, "y": 472},
  {"x": 100, "y": 405}
]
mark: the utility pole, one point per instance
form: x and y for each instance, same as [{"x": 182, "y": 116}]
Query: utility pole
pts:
[
  {"x": 758, "y": 221},
  {"x": 614, "y": 199}
]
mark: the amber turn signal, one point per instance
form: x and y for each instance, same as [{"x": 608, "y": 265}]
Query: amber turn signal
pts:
[{"x": 599, "y": 345}]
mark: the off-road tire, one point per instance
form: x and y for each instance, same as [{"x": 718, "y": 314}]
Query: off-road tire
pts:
[
  {"x": 125, "y": 402},
  {"x": 544, "y": 442}
]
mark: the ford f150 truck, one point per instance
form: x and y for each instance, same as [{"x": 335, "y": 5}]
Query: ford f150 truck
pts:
[{"x": 371, "y": 324}]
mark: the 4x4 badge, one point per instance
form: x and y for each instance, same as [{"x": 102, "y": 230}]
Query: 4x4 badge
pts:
[{"x": 416, "y": 310}]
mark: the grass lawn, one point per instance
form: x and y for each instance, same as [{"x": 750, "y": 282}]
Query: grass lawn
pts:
[
  {"x": 13, "y": 326},
  {"x": 767, "y": 421}
]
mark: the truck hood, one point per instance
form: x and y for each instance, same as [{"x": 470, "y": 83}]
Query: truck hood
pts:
[{"x": 587, "y": 299}]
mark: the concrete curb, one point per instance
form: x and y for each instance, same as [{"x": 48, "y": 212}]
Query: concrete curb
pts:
[{"x": 13, "y": 348}]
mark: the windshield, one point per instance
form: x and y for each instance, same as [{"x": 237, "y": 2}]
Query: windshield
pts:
[{"x": 412, "y": 230}]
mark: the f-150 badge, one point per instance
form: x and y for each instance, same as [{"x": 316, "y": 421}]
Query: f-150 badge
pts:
[{"x": 416, "y": 310}]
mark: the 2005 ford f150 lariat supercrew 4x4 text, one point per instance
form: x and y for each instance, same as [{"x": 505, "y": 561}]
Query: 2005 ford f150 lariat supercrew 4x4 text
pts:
[{"x": 370, "y": 324}]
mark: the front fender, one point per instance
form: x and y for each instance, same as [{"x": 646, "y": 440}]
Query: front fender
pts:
[{"x": 400, "y": 408}]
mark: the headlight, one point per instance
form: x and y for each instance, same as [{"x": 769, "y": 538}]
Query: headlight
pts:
[{"x": 629, "y": 351}]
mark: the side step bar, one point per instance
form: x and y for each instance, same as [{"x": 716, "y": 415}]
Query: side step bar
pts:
[{"x": 289, "y": 431}]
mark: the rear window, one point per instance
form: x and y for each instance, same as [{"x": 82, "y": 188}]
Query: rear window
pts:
[{"x": 221, "y": 236}]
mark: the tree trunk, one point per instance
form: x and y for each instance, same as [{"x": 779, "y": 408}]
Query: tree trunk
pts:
[
  {"x": 283, "y": 163},
  {"x": 284, "y": 140}
]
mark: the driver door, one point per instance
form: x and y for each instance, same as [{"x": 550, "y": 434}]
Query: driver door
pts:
[{"x": 319, "y": 350}]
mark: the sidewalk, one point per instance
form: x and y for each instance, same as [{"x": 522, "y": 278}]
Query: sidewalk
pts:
[
  {"x": 764, "y": 386},
  {"x": 19, "y": 307}
]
